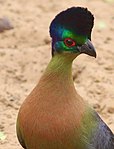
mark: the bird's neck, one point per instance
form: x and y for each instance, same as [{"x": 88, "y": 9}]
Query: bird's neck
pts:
[
  {"x": 57, "y": 80},
  {"x": 60, "y": 68}
]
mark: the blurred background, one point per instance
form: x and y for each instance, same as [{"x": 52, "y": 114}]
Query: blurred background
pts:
[{"x": 25, "y": 52}]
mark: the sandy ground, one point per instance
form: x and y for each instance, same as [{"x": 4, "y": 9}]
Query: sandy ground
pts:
[{"x": 25, "y": 52}]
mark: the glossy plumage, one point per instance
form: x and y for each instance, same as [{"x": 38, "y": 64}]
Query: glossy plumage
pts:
[{"x": 54, "y": 115}]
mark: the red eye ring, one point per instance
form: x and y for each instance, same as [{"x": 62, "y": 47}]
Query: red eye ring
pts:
[{"x": 69, "y": 42}]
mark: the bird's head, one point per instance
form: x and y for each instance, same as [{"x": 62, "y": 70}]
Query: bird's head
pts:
[{"x": 71, "y": 32}]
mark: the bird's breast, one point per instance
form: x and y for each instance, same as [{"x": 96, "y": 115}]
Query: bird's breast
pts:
[
  {"x": 56, "y": 122},
  {"x": 52, "y": 115},
  {"x": 51, "y": 125}
]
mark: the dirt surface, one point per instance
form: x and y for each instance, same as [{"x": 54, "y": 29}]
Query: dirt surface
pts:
[{"x": 25, "y": 51}]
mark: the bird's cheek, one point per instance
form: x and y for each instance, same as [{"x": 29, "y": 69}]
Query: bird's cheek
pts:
[
  {"x": 72, "y": 49},
  {"x": 75, "y": 50},
  {"x": 59, "y": 47}
]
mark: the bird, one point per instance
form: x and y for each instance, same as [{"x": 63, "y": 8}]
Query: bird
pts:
[{"x": 54, "y": 115}]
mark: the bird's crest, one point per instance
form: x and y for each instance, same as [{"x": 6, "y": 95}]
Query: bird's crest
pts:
[{"x": 78, "y": 19}]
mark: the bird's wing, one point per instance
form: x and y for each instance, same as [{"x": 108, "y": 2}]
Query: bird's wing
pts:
[
  {"x": 103, "y": 138},
  {"x": 20, "y": 138}
]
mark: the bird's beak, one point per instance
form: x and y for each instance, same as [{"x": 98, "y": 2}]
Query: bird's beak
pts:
[{"x": 87, "y": 48}]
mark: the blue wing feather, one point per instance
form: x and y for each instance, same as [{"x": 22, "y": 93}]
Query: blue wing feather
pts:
[{"x": 103, "y": 137}]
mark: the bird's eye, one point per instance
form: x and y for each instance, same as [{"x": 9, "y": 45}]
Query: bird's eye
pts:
[{"x": 69, "y": 42}]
